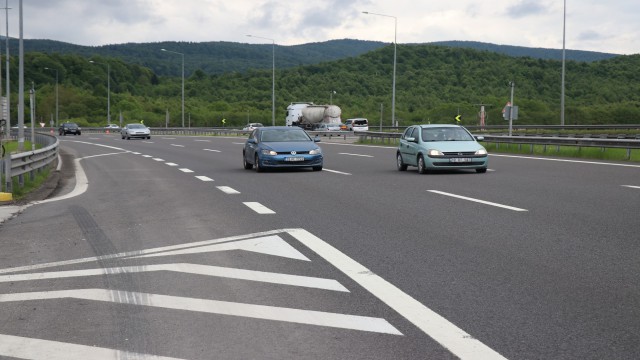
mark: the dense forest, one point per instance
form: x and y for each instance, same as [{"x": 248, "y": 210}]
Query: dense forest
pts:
[{"x": 434, "y": 83}]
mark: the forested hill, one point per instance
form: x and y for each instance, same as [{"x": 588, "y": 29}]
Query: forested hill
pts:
[
  {"x": 434, "y": 83},
  {"x": 224, "y": 57},
  {"x": 536, "y": 53}
]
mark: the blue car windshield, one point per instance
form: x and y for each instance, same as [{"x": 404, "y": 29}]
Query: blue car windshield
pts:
[
  {"x": 445, "y": 134},
  {"x": 281, "y": 135}
]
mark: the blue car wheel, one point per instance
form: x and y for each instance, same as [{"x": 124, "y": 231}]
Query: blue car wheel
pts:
[{"x": 257, "y": 164}]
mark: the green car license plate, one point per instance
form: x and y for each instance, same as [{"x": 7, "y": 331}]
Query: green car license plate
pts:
[
  {"x": 460, "y": 160},
  {"x": 294, "y": 158}
]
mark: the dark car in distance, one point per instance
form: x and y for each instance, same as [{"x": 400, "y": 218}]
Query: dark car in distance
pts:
[{"x": 69, "y": 128}]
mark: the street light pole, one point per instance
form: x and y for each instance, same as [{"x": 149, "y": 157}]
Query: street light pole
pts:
[
  {"x": 56, "y": 70},
  {"x": 273, "y": 78},
  {"x": 564, "y": 27},
  {"x": 8, "y": 86},
  {"x": 108, "y": 89},
  {"x": 395, "y": 44},
  {"x": 181, "y": 54}
]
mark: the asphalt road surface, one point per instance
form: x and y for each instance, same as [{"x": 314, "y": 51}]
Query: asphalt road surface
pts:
[{"x": 168, "y": 249}]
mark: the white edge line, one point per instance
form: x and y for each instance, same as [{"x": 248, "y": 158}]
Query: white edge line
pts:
[
  {"x": 437, "y": 327},
  {"x": 477, "y": 200},
  {"x": 631, "y": 186}
]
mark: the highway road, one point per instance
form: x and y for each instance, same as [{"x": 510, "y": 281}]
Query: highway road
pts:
[{"x": 168, "y": 249}]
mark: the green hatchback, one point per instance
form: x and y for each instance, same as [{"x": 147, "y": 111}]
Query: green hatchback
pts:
[{"x": 440, "y": 147}]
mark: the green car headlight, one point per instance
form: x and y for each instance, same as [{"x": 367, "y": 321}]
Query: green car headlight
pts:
[
  {"x": 434, "y": 152},
  {"x": 269, "y": 152},
  {"x": 481, "y": 152},
  {"x": 315, "y": 152}
]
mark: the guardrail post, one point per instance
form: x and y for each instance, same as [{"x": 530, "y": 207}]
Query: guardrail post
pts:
[{"x": 8, "y": 179}]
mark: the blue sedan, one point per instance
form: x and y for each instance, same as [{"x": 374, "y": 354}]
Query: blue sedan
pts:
[
  {"x": 440, "y": 147},
  {"x": 281, "y": 147}
]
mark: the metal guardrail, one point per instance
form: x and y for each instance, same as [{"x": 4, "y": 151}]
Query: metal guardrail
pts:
[
  {"x": 603, "y": 143},
  {"x": 599, "y": 142},
  {"x": 29, "y": 162},
  {"x": 212, "y": 132}
]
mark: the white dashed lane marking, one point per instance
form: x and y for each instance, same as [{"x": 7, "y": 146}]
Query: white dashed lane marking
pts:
[
  {"x": 186, "y": 170},
  {"x": 259, "y": 208},
  {"x": 204, "y": 178},
  {"x": 228, "y": 190}
]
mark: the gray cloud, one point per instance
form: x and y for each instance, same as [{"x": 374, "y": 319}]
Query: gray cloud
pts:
[
  {"x": 591, "y": 35},
  {"x": 526, "y": 8}
]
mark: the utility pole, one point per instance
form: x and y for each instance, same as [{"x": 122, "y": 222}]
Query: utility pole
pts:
[{"x": 513, "y": 85}]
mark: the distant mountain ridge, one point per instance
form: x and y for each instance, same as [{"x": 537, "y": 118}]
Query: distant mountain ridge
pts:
[
  {"x": 222, "y": 57},
  {"x": 536, "y": 53}
]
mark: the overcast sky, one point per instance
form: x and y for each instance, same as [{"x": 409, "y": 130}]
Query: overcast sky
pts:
[{"x": 596, "y": 25}]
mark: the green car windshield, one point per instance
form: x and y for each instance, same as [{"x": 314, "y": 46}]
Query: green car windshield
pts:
[
  {"x": 284, "y": 135},
  {"x": 445, "y": 134}
]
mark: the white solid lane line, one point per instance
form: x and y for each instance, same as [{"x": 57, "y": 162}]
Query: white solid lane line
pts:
[
  {"x": 259, "y": 208},
  {"x": 204, "y": 178},
  {"x": 298, "y": 316},
  {"x": 29, "y": 348},
  {"x": 454, "y": 339},
  {"x": 204, "y": 270},
  {"x": 631, "y": 186},
  {"x": 477, "y": 200}
]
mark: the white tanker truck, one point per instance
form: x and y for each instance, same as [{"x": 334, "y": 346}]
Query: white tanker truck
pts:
[{"x": 308, "y": 116}]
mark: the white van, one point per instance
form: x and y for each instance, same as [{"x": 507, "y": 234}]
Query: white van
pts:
[{"x": 357, "y": 124}]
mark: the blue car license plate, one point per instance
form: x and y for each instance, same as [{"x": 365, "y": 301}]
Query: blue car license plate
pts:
[
  {"x": 296, "y": 158},
  {"x": 460, "y": 160}
]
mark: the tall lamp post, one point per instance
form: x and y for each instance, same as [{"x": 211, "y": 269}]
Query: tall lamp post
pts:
[
  {"x": 108, "y": 89},
  {"x": 56, "y": 70},
  {"x": 273, "y": 78},
  {"x": 564, "y": 27},
  {"x": 395, "y": 37},
  {"x": 181, "y": 54}
]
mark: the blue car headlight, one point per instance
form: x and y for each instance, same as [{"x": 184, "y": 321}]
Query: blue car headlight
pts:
[
  {"x": 317, "y": 151},
  {"x": 268, "y": 152}
]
